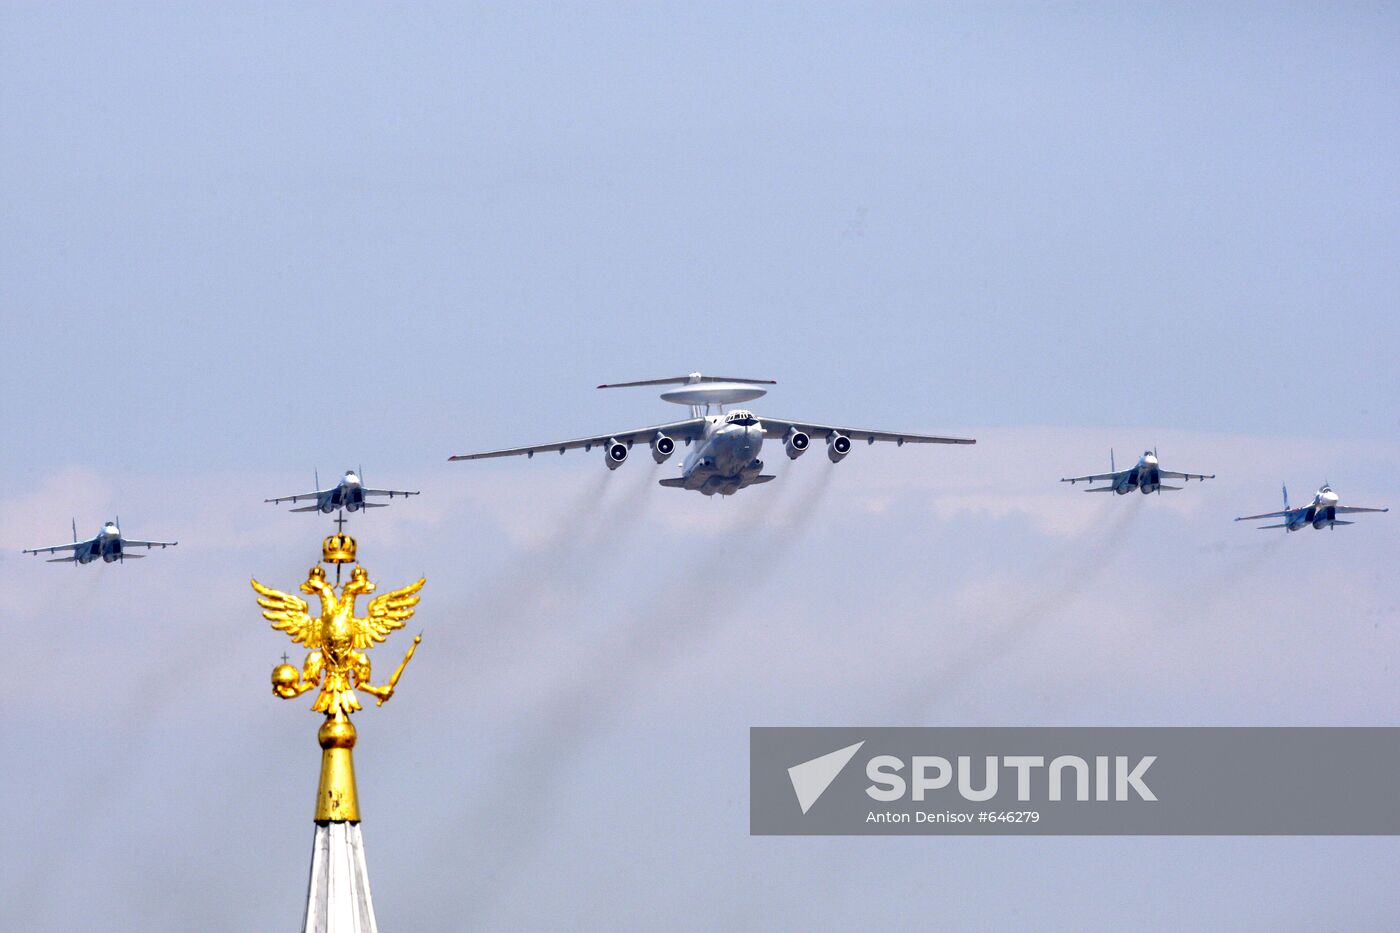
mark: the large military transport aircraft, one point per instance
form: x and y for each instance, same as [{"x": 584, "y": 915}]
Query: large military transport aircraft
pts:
[
  {"x": 726, "y": 444},
  {"x": 1320, "y": 513},
  {"x": 348, "y": 494},
  {"x": 1146, "y": 476},
  {"x": 107, "y": 544}
]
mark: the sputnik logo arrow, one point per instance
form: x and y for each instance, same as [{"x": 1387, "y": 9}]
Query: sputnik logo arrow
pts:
[{"x": 811, "y": 778}]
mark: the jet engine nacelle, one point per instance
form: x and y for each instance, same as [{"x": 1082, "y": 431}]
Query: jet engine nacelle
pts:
[
  {"x": 796, "y": 443},
  {"x": 837, "y": 446},
  {"x": 661, "y": 448},
  {"x": 616, "y": 453}
]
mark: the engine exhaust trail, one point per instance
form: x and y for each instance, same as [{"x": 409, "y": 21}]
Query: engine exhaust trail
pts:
[
  {"x": 578, "y": 711},
  {"x": 1241, "y": 568},
  {"x": 152, "y": 696},
  {"x": 509, "y": 602},
  {"x": 1074, "y": 567}
]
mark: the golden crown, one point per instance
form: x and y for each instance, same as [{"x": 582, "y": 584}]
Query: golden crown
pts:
[{"x": 339, "y": 548}]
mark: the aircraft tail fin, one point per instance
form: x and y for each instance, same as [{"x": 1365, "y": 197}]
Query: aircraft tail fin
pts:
[
  {"x": 1262, "y": 527},
  {"x": 126, "y": 556},
  {"x": 677, "y": 483},
  {"x": 1100, "y": 489},
  {"x": 1112, "y": 467},
  {"x": 75, "y": 531},
  {"x": 1338, "y": 521},
  {"x": 374, "y": 505},
  {"x": 62, "y": 560},
  {"x": 306, "y": 508},
  {"x": 1285, "y": 497},
  {"x": 1170, "y": 488}
]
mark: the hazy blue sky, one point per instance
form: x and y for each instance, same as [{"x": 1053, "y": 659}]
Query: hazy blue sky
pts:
[{"x": 243, "y": 242}]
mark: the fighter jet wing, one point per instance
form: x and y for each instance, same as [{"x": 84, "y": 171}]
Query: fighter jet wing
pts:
[
  {"x": 127, "y": 542},
  {"x": 1283, "y": 514},
  {"x": 300, "y": 496},
  {"x": 391, "y": 493},
  {"x": 1170, "y": 474},
  {"x": 1093, "y": 477},
  {"x": 53, "y": 548},
  {"x": 778, "y": 427},
  {"x": 690, "y": 429},
  {"x": 1348, "y": 509}
]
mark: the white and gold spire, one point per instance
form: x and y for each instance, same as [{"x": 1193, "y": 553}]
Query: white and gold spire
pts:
[{"x": 337, "y": 896}]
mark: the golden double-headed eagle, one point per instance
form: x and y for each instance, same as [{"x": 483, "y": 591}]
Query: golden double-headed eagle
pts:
[{"x": 337, "y": 639}]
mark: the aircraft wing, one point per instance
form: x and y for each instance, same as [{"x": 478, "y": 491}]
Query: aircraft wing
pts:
[
  {"x": 1283, "y": 514},
  {"x": 127, "y": 542},
  {"x": 690, "y": 429},
  {"x": 1348, "y": 509},
  {"x": 391, "y": 493},
  {"x": 71, "y": 546},
  {"x": 1170, "y": 474},
  {"x": 777, "y": 427},
  {"x": 300, "y": 496},
  {"x": 1093, "y": 477}
]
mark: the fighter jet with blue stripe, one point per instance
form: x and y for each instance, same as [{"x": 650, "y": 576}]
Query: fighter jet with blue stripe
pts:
[
  {"x": 1145, "y": 476},
  {"x": 108, "y": 544},
  {"x": 349, "y": 494},
  {"x": 1320, "y": 513}
]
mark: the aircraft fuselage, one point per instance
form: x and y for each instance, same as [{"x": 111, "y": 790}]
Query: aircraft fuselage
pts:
[
  {"x": 726, "y": 459},
  {"x": 348, "y": 494},
  {"x": 1320, "y": 513},
  {"x": 1146, "y": 477},
  {"x": 107, "y": 545}
]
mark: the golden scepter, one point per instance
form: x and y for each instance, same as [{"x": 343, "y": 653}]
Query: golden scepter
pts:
[{"x": 398, "y": 672}]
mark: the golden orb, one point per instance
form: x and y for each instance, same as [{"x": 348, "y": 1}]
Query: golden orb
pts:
[{"x": 284, "y": 675}]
